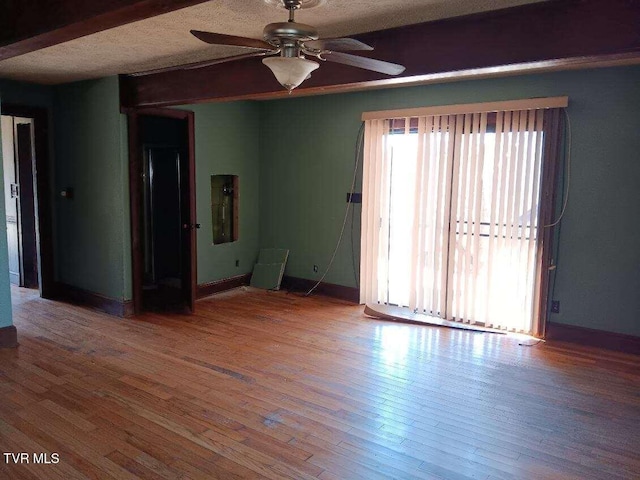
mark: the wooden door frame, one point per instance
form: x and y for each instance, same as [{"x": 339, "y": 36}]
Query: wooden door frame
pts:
[
  {"x": 135, "y": 196},
  {"x": 43, "y": 203}
]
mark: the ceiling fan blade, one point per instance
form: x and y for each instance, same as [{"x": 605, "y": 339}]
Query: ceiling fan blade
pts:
[
  {"x": 221, "y": 39},
  {"x": 364, "y": 62},
  {"x": 337, "y": 44},
  {"x": 205, "y": 63}
]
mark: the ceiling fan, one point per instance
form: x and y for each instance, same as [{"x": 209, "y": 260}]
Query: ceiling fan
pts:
[{"x": 286, "y": 45}]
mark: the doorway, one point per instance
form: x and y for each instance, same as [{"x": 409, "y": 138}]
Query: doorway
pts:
[
  {"x": 163, "y": 210},
  {"x": 28, "y": 219}
]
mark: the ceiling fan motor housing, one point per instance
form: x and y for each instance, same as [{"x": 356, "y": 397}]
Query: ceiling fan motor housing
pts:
[
  {"x": 275, "y": 32},
  {"x": 288, "y": 35}
]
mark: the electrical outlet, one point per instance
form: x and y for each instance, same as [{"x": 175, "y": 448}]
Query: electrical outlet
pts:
[
  {"x": 315, "y": 269},
  {"x": 555, "y": 306}
]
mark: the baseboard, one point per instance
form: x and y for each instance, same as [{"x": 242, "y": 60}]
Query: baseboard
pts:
[
  {"x": 350, "y": 294},
  {"x": 206, "y": 289},
  {"x": 593, "y": 338},
  {"x": 8, "y": 337},
  {"x": 112, "y": 306}
]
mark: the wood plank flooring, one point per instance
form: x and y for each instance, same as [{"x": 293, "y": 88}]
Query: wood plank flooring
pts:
[{"x": 271, "y": 385}]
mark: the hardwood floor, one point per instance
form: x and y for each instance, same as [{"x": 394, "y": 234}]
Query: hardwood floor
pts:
[{"x": 270, "y": 385}]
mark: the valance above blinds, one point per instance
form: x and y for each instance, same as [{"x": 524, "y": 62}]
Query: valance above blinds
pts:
[{"x": 502, "y": 106}]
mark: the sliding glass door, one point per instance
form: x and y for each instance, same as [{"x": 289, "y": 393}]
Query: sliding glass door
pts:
[{"x": 451, "y": 215}]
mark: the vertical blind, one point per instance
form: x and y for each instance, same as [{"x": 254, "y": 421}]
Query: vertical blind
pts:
[{"x": 451, "y": 215}]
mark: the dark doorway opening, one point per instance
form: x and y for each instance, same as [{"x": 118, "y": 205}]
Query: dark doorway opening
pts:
[
  {"x": 27, "y": 197},
  {"x": 163, "y": 210}
]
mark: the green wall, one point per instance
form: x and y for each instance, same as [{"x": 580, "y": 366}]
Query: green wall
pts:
[
  {"x": 306, "y": 171},
  {"x": 93, "y": 242},
  {"x": 227, "y": 143},
  {"x": 308, "y": 146},
  {"x": 6, "y": 316}
]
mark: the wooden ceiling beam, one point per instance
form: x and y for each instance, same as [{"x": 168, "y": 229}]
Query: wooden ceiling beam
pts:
[
  {"x": 29, "y": 25},
  {"x": 552, "y": 34}
]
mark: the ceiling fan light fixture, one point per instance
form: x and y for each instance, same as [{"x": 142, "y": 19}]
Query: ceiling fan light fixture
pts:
[{"x": 290, "y": 71}]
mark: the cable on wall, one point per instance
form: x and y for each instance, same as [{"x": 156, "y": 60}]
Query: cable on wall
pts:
[
  {"x": 358, "y": 155},
  {"x": 358, "y": 150}
]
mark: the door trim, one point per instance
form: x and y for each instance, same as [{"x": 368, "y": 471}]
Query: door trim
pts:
[
  {"x": 43, "y": 203},
  {"x": 135, "y": 195}
]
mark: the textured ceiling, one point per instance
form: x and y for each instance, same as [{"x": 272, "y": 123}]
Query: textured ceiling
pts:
[{"x": 164, "y": 40}]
